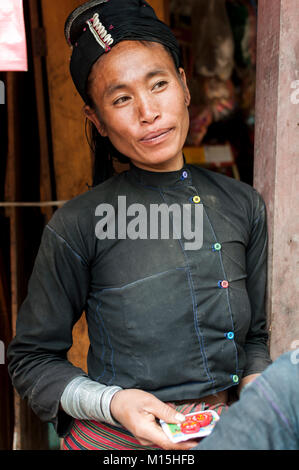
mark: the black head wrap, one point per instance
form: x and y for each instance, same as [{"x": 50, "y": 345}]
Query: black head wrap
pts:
[
  {"x": 92, "y": 30},
  {"x": 95, "y": 27}
]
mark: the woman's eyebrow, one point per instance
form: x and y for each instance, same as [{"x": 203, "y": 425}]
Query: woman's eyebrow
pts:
[
  {"x": 122, "y": 86},
  {"x": 113, "y": 88},
  {"x": 155, "y": 72}
]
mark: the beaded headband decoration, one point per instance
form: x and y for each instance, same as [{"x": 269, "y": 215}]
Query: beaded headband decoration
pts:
[
  {"x": 93, "y": 28},
  {"x": 98, "y": 30}
]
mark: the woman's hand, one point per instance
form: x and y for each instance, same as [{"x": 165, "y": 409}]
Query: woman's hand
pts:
[{"x": 137, "y": 411}]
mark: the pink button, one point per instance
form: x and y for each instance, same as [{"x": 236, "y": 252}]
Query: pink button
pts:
[{"x": 224, "y": 284}]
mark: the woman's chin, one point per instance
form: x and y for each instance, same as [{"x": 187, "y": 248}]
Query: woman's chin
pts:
[{"x": 159, "y": 162}]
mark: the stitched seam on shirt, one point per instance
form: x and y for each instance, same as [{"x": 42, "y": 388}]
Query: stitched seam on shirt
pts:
[
  {"x": 103, "y": 339},
  {"x": 196, "y": 324},
  {"x": 67, "y": 244},
  {"x": 109, "y": 342},
  {"x": 227, "y": 293},
  {"x": 140, "y": 280},
  {"x": 195, "y": 309}
]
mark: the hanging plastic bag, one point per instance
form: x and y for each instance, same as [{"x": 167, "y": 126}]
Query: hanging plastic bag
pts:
[
  {"x": 13, "y": 50},
  {"x": 213, "y": 39}
]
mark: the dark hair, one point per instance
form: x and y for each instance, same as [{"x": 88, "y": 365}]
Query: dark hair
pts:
[{"x": 103, "y": 150}]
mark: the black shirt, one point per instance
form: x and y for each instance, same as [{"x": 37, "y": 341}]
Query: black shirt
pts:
[{"x": 178, "y": 323}]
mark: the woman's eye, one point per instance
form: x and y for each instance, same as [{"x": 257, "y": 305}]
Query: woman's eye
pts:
[
  {"x": 121, "y": 100},
  {"x": 160, "y": 84}
]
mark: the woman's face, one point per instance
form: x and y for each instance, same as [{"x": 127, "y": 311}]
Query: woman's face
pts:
[{"x": 141, "y": 104}]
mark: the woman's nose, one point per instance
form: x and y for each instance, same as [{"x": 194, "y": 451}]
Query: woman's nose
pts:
[{"x": 148, "y": 109}]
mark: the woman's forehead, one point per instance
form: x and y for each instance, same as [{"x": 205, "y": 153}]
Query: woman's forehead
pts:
[{"x": 131, "y": 59}]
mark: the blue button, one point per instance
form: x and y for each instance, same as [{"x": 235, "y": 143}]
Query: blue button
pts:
[
  {"x": 230, "y": 335},
  {"x": 184, "y": 174}
]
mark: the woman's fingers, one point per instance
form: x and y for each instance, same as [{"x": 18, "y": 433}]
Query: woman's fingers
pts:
[
  {"x": 138, "y": 411},
  {"x": 159, "y": 438}
]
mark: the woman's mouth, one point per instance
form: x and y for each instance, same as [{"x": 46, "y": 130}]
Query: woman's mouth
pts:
[{"x": 156, "y": 137}]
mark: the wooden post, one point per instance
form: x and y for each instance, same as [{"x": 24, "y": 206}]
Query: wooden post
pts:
[{"x": 276, "y": 169}]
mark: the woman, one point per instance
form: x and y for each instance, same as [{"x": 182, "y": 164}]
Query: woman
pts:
[{"x": 172, "y": 327}]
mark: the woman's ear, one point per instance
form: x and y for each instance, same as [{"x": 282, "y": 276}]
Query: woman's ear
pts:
[
  {"x": 93, "y": 116},
  {"x": 185, "y": 86}
]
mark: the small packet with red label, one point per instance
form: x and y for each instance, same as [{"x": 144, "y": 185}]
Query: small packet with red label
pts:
[{"x": 196, "y": 425}]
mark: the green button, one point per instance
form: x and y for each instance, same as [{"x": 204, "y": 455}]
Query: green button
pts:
[
  {"x": 235, "y": 379},
  {"x": 217, "y": 246}
]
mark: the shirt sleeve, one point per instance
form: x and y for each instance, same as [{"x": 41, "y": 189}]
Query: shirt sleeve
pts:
[
  {"x": 37, "y": 355},
  {"x": 256, "y": 345}
]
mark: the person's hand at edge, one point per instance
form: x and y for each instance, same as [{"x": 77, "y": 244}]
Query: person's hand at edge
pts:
[{"x": 137, "y": 412}]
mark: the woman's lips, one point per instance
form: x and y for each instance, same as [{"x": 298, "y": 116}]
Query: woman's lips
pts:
[{"x": 157, "y": 137}]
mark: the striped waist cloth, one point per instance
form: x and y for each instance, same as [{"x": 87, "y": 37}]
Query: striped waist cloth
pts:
[{"x": 92, "y": 435}]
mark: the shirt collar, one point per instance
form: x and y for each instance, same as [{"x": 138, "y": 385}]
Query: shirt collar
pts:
[{"x": 161, "y": 178}]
